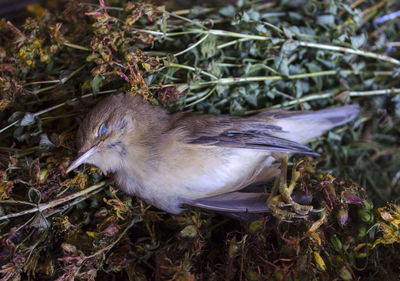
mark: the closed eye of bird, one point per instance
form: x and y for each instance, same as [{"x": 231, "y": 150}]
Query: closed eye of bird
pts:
[{"x": 171, "y": 160}]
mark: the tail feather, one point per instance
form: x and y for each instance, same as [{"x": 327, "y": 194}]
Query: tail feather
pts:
[{"x": 304, "y": 125}]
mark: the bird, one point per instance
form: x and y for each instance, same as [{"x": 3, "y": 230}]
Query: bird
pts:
[{"x": 182, "y": 159}]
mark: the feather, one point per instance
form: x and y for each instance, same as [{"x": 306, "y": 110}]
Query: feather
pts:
[
  {"x": 271, "y": 130},
  {"x": 233, "y": 202}
]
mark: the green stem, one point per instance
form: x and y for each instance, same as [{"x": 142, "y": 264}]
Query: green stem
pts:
[
  {"x": 193, "y": 46},
  {"x": 350, "y": 51},
  {"x": 303, "y": 44},
  {"x": 330, "y": 95},
  {"x": 45, "y": 206},
  {"x": 75, "y": 46},
  {"x": 188, "y": 11},
  {"x": 227, "y": 44},
  {"x": 58, "y": 106},
  {"x": 60, "y": 82},
  {"x": 233, "y": 80},
  {"x": 202, "y": 98},
  {"x": 184, "y": 19},
  {"x": 373, "y": 93},
  {"x": 192, "y": 69},
  {"x": 9, "y": 126}
]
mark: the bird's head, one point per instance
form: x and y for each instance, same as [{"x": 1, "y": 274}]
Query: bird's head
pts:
[{"x": 110, "y": 129}]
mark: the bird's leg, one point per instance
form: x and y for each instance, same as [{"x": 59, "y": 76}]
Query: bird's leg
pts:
[{"x": 283, "y": 199}]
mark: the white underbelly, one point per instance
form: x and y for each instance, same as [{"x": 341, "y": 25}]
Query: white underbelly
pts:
[
  {"x": 216, "y": 175},
  {"x": 193, "y": 176}
]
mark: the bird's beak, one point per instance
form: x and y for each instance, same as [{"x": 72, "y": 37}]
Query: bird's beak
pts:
[{"x": 82, "y": 159}]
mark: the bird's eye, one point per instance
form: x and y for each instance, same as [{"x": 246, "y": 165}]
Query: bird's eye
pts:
[{"x": 102, "y": 130}]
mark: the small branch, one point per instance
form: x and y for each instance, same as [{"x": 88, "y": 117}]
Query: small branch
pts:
[
  {"x": 350, "y": 51},
  {"x": 9, "y": 126},
  {"x": 73, "y": 203},
  {"x": 227, "y": 44},
  {"x": 219, "y": 32},
  {"x": 45, "y": 206},
  {"x": 304, "y": 44},
  {"x": 75, "y": 46},
  {"x": 233, "y": 80},
  {"x": 330, "y": 95},
  {"x": 373, "y": 93},
  {"x": 193, "y": 46},
  {"x": 183, "y": 18},
  {"x": 58, "y": 106},
  {"x": 303, "y": 99},
  {"x": 188, "y": 11},
  {"x": 59, "y": 82},
  {"x": 17, "y": 202},
  {"x": 42, "y": 82},
  {"x": 202, "y": 98},
  {"x": 193, "y": 69},
  {"x": 109, "y": 247},
  {"x": 73, "y": 100}
]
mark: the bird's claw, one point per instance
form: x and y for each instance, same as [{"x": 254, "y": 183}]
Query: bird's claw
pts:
[{"x": 281, "y": 195}]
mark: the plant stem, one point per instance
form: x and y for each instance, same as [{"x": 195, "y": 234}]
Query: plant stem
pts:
[
  {"x": 188, "y": 11},
  {"x": 329, "y": 95},
  {"x": 202, "y": 98},
  {"x": 192, "y": 46},
  {"x": 227, "y": 44},
  {"x": 193, "y": 69},
  {"x": 58, "y": 106},
  {"x": 304, "y": 44},
  {"x": 232, "y": 80},
  {"x": 75, "y": 46},
  {"x": 350, "y": 51},
  {"x": 44, "y": 206}
]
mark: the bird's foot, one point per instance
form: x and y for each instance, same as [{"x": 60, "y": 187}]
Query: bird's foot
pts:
[{"x": 281, "y": 194}]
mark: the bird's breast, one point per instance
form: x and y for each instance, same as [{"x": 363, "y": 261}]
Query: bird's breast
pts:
[{"x": 195, "y": 172}]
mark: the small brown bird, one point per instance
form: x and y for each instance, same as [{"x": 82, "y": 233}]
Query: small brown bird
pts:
[{"x": 170, "y": 160}]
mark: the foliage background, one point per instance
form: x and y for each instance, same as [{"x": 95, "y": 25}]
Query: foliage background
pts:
[{"x": 236, "y": 59}]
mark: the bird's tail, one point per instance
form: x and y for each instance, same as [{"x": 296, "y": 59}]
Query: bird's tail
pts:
[{"x": 300, "y": 126}]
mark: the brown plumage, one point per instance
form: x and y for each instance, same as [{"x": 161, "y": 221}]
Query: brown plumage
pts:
[{"x": 174, "y": 159}]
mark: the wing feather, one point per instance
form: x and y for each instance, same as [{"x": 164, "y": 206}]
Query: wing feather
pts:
[{"x": 236, "y": 132}]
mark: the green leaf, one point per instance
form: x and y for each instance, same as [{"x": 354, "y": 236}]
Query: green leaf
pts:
[
  {"x": 326, "y": 20},
  {"x": 34, "y": 195},
  {"x": 228, "y": 11},
  {"x": 28, "y": 119},
  {"x": 96, "y": 83},
  {"x": 15, "y": 116},
  {"x": 208, "y": 47},
  {"x": 358, "y": 41}
]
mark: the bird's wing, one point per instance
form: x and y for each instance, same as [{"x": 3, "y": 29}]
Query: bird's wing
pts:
[
  {"x": 235, "y": 132},
  {"x": 233, "y": 202},
  {"x": 241, "y": 202}
]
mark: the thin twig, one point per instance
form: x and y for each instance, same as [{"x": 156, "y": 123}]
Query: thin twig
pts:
[
  {"x": 9, "y": 126},
  {"x": 202, "y": 98},
  {"x": 109, "y": 247},
  {"x": 75, "y": 46},
  {"x": 350, "y": 51},
  {"x": 192, "y": 46},
  {"x": 183, "y": 18},
  {"x": 304, "y": 44},
  {"x": 58, "y": 106},
  {"x": 233, "y": 42},
  {"x": 75, "y": 202},
  {"x": 16, "y": 202},
  {"x": 193, "y": 69},
  {"x": 61, "y": 81},
  {"x": 233, "y": 80},
  {"x": 42, "y": 82},
  {"x": 188, "y": 11},
  {"x": 330, "y": 95},
  {"x": 44, "y": 206}
]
